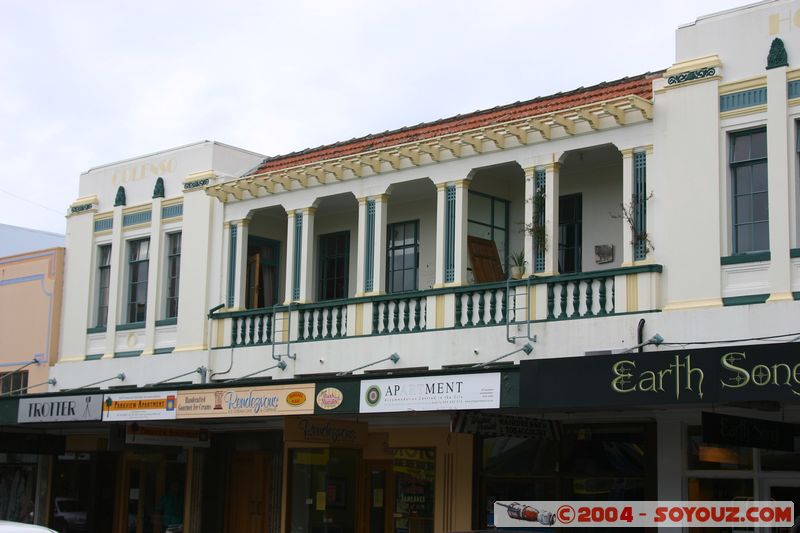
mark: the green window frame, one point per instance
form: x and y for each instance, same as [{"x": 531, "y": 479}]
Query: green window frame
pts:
[
  {"x": 103, "y": 283},
  {"x": 334, "y": 265},
  {"x": 749, "y": 191},
  {"x": 495, "y": 228},
  {"x": 173, "y": 273},
  {"x": 402, "y": 256},
  {"x": 138, "y": 267}
]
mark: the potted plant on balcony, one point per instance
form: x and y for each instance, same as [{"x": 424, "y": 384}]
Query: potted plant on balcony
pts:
[
  {"x": 536, "y": 228},
  {"x": 518, "y": 263}
]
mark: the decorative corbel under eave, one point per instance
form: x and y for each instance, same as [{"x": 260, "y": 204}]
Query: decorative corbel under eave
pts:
[
  {"x": 616, "y": 112},
  {"x": 519, "y": 133},
  {"x": 299, "y": 176},
  {"x": 432, "y": 150},
  {"x": 217, "y": 193},
  {"x": 642, "y": 105},
  {"x": 567, "y": 123},
  {"x": 590, "y": 117},
  {"x": 496, "y": 137},
  {"x": 452, "y": 145},
  {"x": 412, "y": 153},
  {"x": 231, "y": 188},
  {"x": 391, "y": 158},
  {"x": 544, "y": 129},
  {"x": 373, "y": 162},
  {"x": 472, "y": 140},
  {"x": 318, "y": 173},
  {"x": 355, "y": 166},
  {"x": 267, "y": 184},
  {"x": 250, "y": 187},
  {"x": 336, "y": 170}
]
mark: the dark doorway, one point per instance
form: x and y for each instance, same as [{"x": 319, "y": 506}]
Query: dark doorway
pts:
[
  {"x": 570, "y": 215},
  {"x": 334, "y": 265},
  {"x": 263, "y": 258}
]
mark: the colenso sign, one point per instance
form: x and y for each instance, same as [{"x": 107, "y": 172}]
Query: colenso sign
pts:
[
  {"x": 60, "y": 408},
  {"x": 727, "y": 374}
]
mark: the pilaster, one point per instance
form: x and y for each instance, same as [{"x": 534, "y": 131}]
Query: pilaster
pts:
[{"x": 551, "y": 195}]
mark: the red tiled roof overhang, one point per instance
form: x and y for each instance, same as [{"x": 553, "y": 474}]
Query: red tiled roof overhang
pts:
[{"x": 638, "y": 86}]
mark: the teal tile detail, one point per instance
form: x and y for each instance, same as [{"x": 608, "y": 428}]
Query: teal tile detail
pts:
[
  {"x": 135, "y": 353},
  {"x": 640, "y": 205},
  {"x": 794, "y": 252},
  {"x": 450, "y": 234},
  {"x": 794, "y": 89},
  {"x": 103, "y": 224},
  {"x": 98, "y": 329},
  {"x": 232, "y": 264},
  {"x": 141, "y": 217},
  {"x": 94, "y": 356},
  {"x": 167, "y": 322},
  {"x": 742, "y": 99},
  {"x": 298, "y": 254},
  {"x": 172, "y": 211},
  {"x": 159, "y": 351},
  {"x": 744, "y": 258},
  {"x": 539, "y": 213},
  {"x": 745, "y": 300},
  {"x": 369, "y": 255}
]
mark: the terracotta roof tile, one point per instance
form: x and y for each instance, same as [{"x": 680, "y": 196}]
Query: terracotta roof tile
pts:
[{"x": 638, "y": 85}]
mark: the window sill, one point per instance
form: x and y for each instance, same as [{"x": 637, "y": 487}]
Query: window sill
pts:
[
  {"x": 131, "y": 325},
  {"x": 753, "y": 257},
  {"x": 745, "y": 300},
  {"x": 167, "y": 321},
  {"x": 98, "y": 329}
]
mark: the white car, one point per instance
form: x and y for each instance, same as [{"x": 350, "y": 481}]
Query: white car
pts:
[{"x": 16, "y": 527}]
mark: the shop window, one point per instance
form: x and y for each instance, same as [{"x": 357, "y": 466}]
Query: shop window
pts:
[
  {"x": 402, "y": 252},
  {"x": 103, "y": 280},
  {"x": 138, "y": 265},
  {"x": 18, "y": 478},
  {"x": 703, "y": 456},
  {"x": 14, "y": 383},
  {"x": 414, "y": 476},
  {"x": 173, "y": 273},
  {"x": 334, "y": 261},
  {"x": 787, "y": 461},
  {"x": 488, "y": 219},
  {"x": 748, "y": 164}
]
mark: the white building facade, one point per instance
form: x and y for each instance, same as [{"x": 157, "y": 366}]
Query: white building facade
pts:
[{"x": 657, "y": 212}]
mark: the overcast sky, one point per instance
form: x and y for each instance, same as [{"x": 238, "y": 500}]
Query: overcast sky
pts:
[{"x": 84, "y": 83}]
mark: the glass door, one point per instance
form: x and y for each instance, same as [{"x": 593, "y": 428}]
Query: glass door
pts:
[{"x": 784, "y": 490}]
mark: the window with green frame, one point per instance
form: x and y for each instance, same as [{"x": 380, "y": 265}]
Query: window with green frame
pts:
[
  {"x": 138, "y": 266},
  {"x": 488, "y": 219},
  {"x": 173, "y": 273},
  {"x": 750, "y": 203},
  {"x": 103, "y": 281},
  {"x": 402, "y": 256},
  {"x": 334, "y": 265}
]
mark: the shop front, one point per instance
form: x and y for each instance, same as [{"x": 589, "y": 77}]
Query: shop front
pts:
[{"x": 700, "y": 424}]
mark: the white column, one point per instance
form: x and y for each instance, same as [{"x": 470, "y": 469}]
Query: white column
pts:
[
  {"x": 780, "y": 242},
  {"x": 462, "y": 210},
  {"x": 307, "y": 262},
  {"x": 290, "y": 252},
  {"x": 116, "y": 286},
  {"x": 240, "y": 279},
  {"x": 627, "y": 201},
  {"x": 551, "y": 219},
  {"x": 153, "y": 276},
  {"x": 441, "y": 192},
  {"x": 379, "y": 262},
  {"x": 527, "y": 237},
  {"x": 362, "y": 246}
]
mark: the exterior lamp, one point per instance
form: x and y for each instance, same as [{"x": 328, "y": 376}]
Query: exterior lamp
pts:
[
  {"x": 281, "y": 365},
  {"x": 120, "y": 376},
  {"x": 394, "y": 358},
  {"x": 527, "y": 348}
]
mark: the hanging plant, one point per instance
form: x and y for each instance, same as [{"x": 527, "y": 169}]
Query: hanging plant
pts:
[
  {"x": 628, "y": 214},
  {"x": 537, "y": 228}
]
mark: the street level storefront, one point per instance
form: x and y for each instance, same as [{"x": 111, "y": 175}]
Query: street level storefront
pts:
[
  {"x": 717, "y": 423},
  {"x": 346, "y": 454}
]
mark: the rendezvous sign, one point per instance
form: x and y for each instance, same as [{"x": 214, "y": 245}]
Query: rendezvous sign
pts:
[{"x": 430, "y": 393}]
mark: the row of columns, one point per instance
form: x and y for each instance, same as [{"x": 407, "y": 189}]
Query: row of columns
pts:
[
  {"x": 451, "y": 247},
  {"x": 451, "y": 236}
]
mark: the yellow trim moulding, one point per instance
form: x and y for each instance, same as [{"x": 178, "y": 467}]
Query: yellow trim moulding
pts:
[
  {"x": 754, "y": 110},
  {"x": 743, "y": 85},
  {"x": 693, "y": 304},
  {"x": 694, "y": 64}
]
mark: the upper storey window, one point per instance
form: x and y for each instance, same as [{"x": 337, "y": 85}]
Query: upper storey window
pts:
[
  {"x": 138, "y": 266},
  {"x": 103, "y": 280},
  {"x": 748, "y": 161}
]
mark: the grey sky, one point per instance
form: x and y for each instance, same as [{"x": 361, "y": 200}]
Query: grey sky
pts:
[{"x": 83, "y": 83}]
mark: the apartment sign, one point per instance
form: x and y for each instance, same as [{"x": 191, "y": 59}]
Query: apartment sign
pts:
[
  {"x": 765, "y": 372},
  {"x": 60, "y": 409},
  {"x": 247, "y": 401},
  {"x": 431, "y": 393},
  {"x": 154, "y": 405}
]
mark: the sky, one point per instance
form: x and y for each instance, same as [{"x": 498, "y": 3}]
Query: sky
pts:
[{"x": 85, "y": 83}]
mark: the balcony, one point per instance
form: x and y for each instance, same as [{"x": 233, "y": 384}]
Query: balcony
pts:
[{"x": 595, "y": 294}]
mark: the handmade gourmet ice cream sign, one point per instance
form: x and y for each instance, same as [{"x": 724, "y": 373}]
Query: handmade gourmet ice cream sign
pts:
[
  {"x": 765, "y": 372},
  {"x": 60, "y": 408},
  {"x": 431, "y": 393},
  {"x": 247, "y": 401}
]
